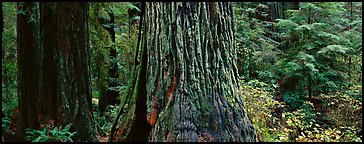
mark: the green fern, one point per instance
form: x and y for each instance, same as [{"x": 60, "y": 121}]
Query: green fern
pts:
[
  {"x": 6, "y": 121},
  {"x": 50, "y": 135}
]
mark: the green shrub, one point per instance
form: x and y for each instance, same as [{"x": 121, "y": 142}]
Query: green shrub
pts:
[
  {"x": 105, "y": 122},
  {"x": 293, "y": 99},
  {"x": 260, "y": 104}
]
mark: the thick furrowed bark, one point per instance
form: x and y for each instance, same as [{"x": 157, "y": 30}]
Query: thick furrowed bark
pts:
[
  {"x": 193, "y": 74},
  {"x": 192, "y": 84}
]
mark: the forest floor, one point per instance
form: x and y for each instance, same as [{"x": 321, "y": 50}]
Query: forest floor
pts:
[{"x": 104, "y": 123}]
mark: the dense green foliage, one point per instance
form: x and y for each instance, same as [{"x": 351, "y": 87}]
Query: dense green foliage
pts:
[
  {"x": 312, "y": 41},
  {"x": 315, "y": 48},
  {"x": 100, "y": 42},
  {"x": 9, "y": 99},
  {"x": 9, "y": 60},
  {"x": 301, "y": 73},
  {"x": 256, "y": 49}
]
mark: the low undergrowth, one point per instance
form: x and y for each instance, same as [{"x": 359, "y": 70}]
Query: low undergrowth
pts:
[
  {"x": 51, "y": 134},
  {"x": 337, "y": 117}
]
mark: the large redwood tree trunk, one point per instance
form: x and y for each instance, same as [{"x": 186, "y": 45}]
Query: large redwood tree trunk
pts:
[
  {"x": 49, "y": 101},
  {"x": 71, "y": 55},
  {"x": 28, "y": 68},
  {"x": 187, "y": 77}
]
